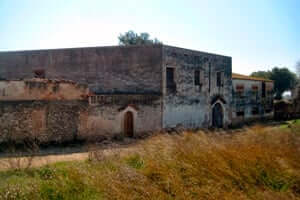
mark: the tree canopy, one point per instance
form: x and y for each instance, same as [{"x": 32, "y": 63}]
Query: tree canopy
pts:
[
  {"x": 132, "y": 38},
  {"x": 262, "y": 74},
  {"x": 284, "y": 79}
]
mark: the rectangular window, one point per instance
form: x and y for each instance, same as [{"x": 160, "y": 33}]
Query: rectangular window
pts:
[
  {"x": 170, "y": 79},
  {"x": 255, "y": 111},
  {"x": 240, "y": 113},
  {"x": 239, "y": 89},
  {"x": 197, "y": 77},
  {"x": 219, "y": 79},
  {"x": 263, "y": 90},
  {"x": 268, "y": 110}
]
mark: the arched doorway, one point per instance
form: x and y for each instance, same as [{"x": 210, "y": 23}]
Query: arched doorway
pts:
[
  {"x": 217, "y": 116},
  {"x": 128, "y": 124}
]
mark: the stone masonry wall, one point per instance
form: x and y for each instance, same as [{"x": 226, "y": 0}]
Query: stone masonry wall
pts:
[
  {"x": 45, "y": 121},
  {"x": 62, "y": 121},
  {"x": 133, "y": 69},
  {"x": 191, "y": 105},
  {"x": 41, "y": 89}
]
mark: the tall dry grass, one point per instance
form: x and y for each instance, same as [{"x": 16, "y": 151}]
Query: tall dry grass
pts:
[{"x": 260, "y": 163}]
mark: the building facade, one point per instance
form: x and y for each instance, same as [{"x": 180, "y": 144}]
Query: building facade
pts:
[
  {"x": 252, "y": 98},
  {"x": 131, "y": 89}
]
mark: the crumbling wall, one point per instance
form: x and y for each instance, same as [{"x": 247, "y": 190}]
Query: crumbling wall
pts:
[
  {"x": 41, "y": 89},
  {"x": 191, "y": 105},
  {"x": 44, "y": 121},
  {"x": 130, "y": 69},
  {"x": 63, "y": 121},
  {"x": 105, "y": 117}
]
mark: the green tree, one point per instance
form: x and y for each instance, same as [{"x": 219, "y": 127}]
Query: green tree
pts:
[
  {"x": 262, "y": 74},
  {"x": 132, "y": 38},
  {"x": 284, "y": 79}
]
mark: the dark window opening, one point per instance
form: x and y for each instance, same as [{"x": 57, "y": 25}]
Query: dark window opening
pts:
[
  {"x": 255, "y": 111},
  {"x": 268, "y": 110},
  {"x": 197, "y": 77},
  {"x": 39, "y": 73},
  {"x": 170, "y": 79},
  {"x": 240, "y": 113},
  {"x": 263, "y": 89},
  {"x": 219, "y": 79}
]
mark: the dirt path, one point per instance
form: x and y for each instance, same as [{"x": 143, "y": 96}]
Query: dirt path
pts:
[
  {"x": 42, "y": 159},
  {"x": 129, "y": 145}
]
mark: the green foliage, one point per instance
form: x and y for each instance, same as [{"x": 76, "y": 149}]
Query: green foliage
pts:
[
  {"x": 284, "y": 79},
  {"x": 262, "y": 74},
  {"x": 132, "y": 38},
  {"x": 46, "y": 173},
  {"x": 135, "y": 161}
]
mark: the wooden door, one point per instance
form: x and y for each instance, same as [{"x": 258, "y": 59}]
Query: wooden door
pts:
[{"x": 128, "y": 124}]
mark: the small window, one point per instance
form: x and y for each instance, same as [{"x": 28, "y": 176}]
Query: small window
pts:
[
  {"x": 219, "y": 79},
  {"x": 39, "y": 73},
  {"x": 197, "y": 77},
  {"x": 268, "y": 110},
  {"x": 170, "y": 79},
  {"x": 240, "y": 113},
  {"x": 263, "y": 89},
  {"x": 255, "y": 111}
]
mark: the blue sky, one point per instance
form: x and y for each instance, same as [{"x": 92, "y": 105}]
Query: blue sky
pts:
[{"x": 257, "y": 34}]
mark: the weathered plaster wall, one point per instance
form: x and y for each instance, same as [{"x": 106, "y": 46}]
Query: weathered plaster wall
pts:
[
  {"x": 247, "y": 103},
  {"x": 191, "y": 106},
  {"x": 105, "y": 117},
  {"x": 41, "y": 89},
  {"x": 133, "y": 69}
]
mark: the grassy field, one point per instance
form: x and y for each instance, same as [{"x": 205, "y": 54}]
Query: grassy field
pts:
[{"x": 257, "y": 163}]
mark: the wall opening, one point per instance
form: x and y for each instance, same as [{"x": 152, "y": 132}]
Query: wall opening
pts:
[
  {"x": 217, "y": 116},
  {"x": 197, "y": 77},
  {"x": 263, "y": 90},
  {"x": 39, "y": 73},
  {"x": 128, "y": 124},
  {"x": 170, "y": 76}
]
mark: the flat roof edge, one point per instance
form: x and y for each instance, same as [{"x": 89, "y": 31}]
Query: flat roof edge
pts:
[{"x": 197, "y": 51}]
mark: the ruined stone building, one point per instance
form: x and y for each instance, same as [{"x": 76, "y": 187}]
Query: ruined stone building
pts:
[
  {"x": 106, "y": 91},
  {"x": 252, "y": 98}
]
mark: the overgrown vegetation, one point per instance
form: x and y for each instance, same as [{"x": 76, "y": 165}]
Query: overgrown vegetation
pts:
[
  {"x": 259, "y": 163},
  {"x": 284, "y": 79},
  {"x": 132, "y": 38}
]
